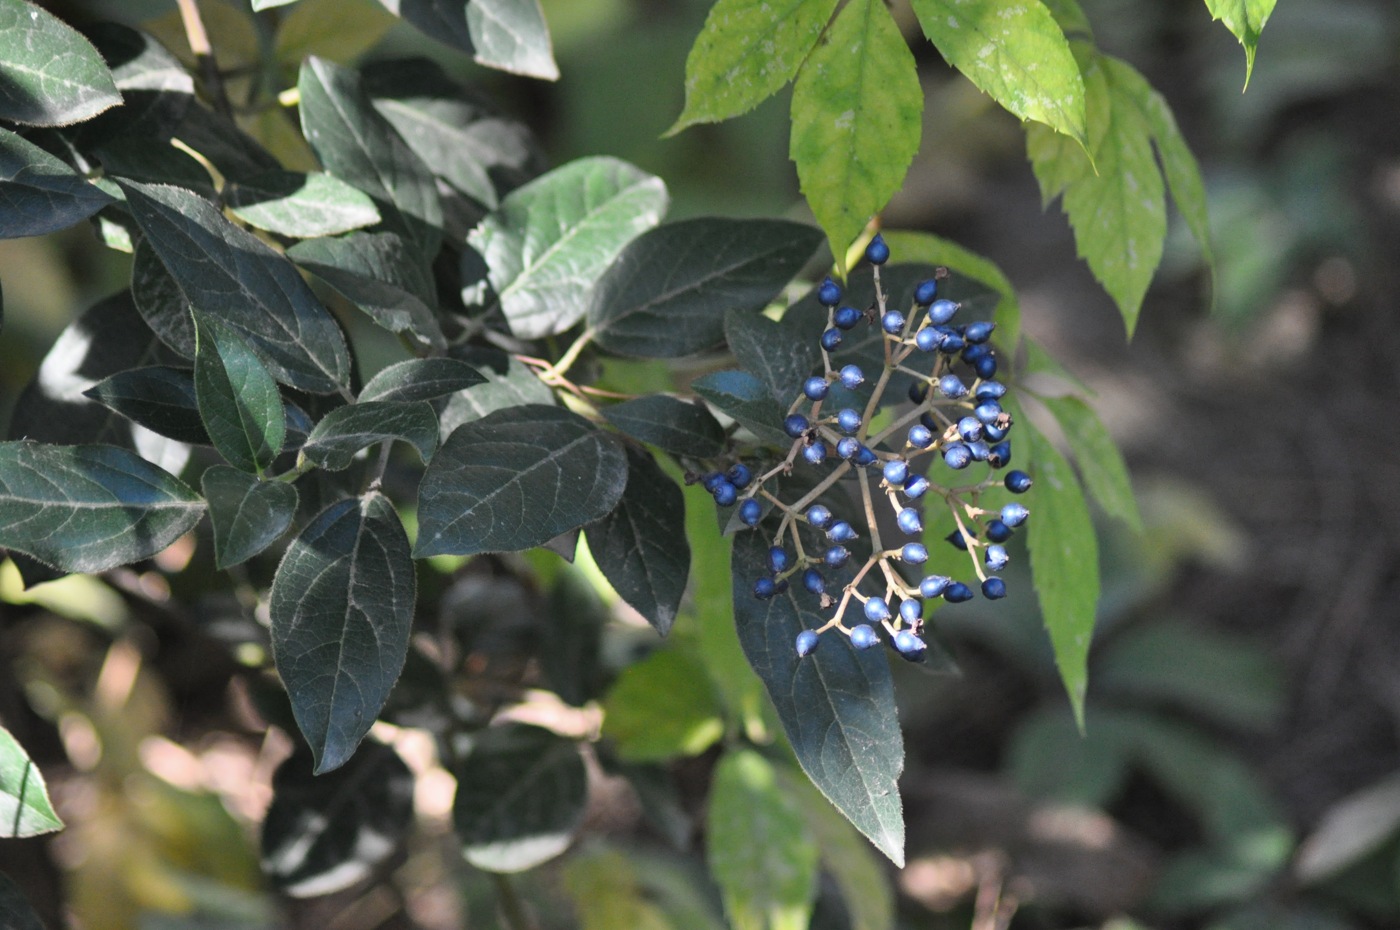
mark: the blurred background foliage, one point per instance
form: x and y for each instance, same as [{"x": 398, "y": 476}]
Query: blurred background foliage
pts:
[{"x": 1243, "y": 747}]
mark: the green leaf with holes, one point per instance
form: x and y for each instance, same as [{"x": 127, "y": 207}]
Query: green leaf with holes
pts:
[
  {"x": 25, "y": 809},
  {"x": 49, "y": 74}
]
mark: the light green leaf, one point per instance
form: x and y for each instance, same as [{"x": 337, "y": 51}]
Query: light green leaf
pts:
[
  {"x": 1015, "y": 52},
  {"x": 302, "y": 32},
  {"x": 857, "y": 113},
  {"x": 248, "y": 515},
  {"x": 1100, "y": 463},
  {"x": 49, "y": 74},
  {"x": 292, "y": 203},
  {"x": 1245, "y": 19},
  {"x": 745, "y": 53},
  {"x": 89, "y": 508},
  {"x": 607, "y": 895},
  {"x": 1064, "y": 562},
  {"x": 935, "y": 250},
  {"x": 759, "y": 848},
  {"x": 662, "y": 708},
  {"x": 39, "y": 194},
  {"x": 551, "y": 239},
  {"x": 346, "y": 430},
  {"x": 24, "y": 801},
  {"x": 511, "y": 35},
  {"x": 238, "y": 398}
]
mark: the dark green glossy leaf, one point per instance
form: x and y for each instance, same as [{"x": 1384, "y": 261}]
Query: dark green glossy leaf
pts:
[
  {"x": 836, "y": 705},
  {"x": 516, "y": 479},
  {"x": 641, "y": 546},
  {"x": 238, "y": 399},
  {"x": 380, "y": 273},
  {"x": 1064, "y": 562},
  {"x": 230, "y": 274},
  {"x": 25, "y": 809},
  {"x": 758, "y": 846},
  {"x": 663, "y": 707},
  {"x": 342, "y": 609},
  {"x": 248, "y": 515},
  {"x": 324, "y": 833},
  {"x": 443, "y": 20},
  {"x": 150, "y": 159},
  {"x": 15, "y": 911},
  {"x": 89, "y": 508},
  {"x": 159, "y": 300},
  {"x": 357, "y": 145},
  {"x": 667, "y": 293},
  {"x": 748, "y": 400},
  {"x": 745, "y": 54},
  {"x": 38, "y": 193},
  {"x": 1100, "y": 463},
  {"x": 49, "y": 74},
  {"x": 521, "y": 793},
  {"x": 236, "y": 154},
  {"x": 857, "y": 114},
  {"x": 1245, "y": 19},
  {"x": 346, "y": 430},
  {"x": 158, "y": 397},
  {"x": 782, "y": 354},
  {"x": 509, "y": 383},
  {"x": 293, "y": 203},
  {"x": 676, "y": 426},
  {"x": 552, "y": 239},
  {"x": 511, "y": 35},
  {"x": 420, "y": 379}
]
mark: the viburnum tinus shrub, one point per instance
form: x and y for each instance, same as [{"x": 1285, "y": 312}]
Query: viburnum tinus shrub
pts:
[{"x": 843, "y": 466}]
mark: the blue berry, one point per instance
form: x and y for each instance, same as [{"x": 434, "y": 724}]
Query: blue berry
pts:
[
  {"x": 914, "y": 553},
  {"x": 836, "y": 556},
  {"x": 781, "y": 586},
  {"x": 1017, "y": 482},
  {"x": 994, "y": 433},
  {"x": 952, "y": 387},
  {"x": 711, "y": 481},
  {"x": 1014, "y": 514},
  {"x": 813, "y": 581},
  {"x": 814, "y": 453},
  {"x": 941, "y": 311},
  {"x": 739, "y": 475},
  {"x": 863, "y": 637},
  {"x": 920, "y": 436},
  {"x": 928, "y": 339},
  {"x": 815, "y": 387},
  {"x": 993, "y": 588},
  {"x": 764, "y": 588},
  {"x": 957, "y": 592},
  {"x": 952, "y": 344},
  {"x": 997, "y": 557},
  {"x": 991, "y": 390},
  {"x": 910, "y": 646},
  {"x": 957, "y": 539},
  {"x": 840, "y": 532},
  {"x": 829, "y": 293},
  {"x": 895, "y": 471},
  {"x": 848, "y": 447},
  {"x": 910, "y": 522},
  {"x": 848, "y": 420},
  {"x": 831, "y": 339},
  {"x": 999, "y": 455},
  {"x": 925, "y": 292},
  {"x": 934, "y": 585},
  {"x": 918, "y": 392},
  {"x": 915, "y": 487},
  {"x": 892, "y": 322},
  {"x": 979, "y": 451},
  {"x": 910, "y": 610},
  {"x": 973, "y": 351},
  {"x": 819, "y": 516},
  {"x": 852, "y": 377},
  {"x": 979, "y": 332},
  {"x": 876, "y": 609},
  {"x": 864, "y": 457},
  {"x": 986, "y": 366},
  {"x": 846, "y": 317},
  {"x": 997, "y": 531},
  {"x": 957, "y": 456},
  {"x": 725, "y": 493},
  {"x": 987, "y": 412},
  {"x": 970, "y": 428},
  {"x": 795, "y": 425},
  {"x": 750, "y": 512},
  {"x": 778, "y": 559},
  {"x": 877, "y": 252},
  {"x": 807, "y": 642}
]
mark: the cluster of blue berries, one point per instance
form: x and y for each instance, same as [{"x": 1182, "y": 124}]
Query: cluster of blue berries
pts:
[{"x": 956, "y": 416}]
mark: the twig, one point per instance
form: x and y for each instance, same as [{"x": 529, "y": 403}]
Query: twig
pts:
[{"x": 198, "y": 38}]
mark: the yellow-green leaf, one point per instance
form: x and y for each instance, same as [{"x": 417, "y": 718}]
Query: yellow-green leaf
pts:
[{"x": 1246, "y": 19}]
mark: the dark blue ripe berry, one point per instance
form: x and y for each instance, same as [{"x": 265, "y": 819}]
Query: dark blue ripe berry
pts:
[
  {"x": 920, "y": 436},
  {"x": 957, "y": 592},
  {"x": 928, "y": 339},
  {"x": 999, "y": 455},
  {"x": 910, "y": 522},
  {"x": 764, "y": 588},
  {"x": 918, "y": 392},
  {"x": 925, "y": 292},
  {"x": 836, "y": 556},
  {"x": 848, "y": 447},
  {"x": 914, "y": 553},
  {"x": 993, "y": 588},
  {"x": 852, "y": 377},
  {"x": 813, "y": 581},
  {"x": 909, "y": 646},
  {"x": 987, "y": 412},
  {"x": 1018, "y": 482},
  {"x": 840, "y": 532},
  {"x": 739, "y": 475},
  {"x": 994, "y": 433},
  {"x": 991, "y": 390},
  {"x": 877, "y": 252},
  {"x": 1014, "y": 514},
  {"x": 986, "y": 366},
  {"x": 996, "y": 557},
  {"x": 892, "y": 322},
  {"x": 970, "y": 428},
  {"x": 876, "y": 609},
  {"x": 865, "y": 457},
  {"x": 910, "y": 610},
  {"x": 997, "y": 531},
  {"x": 895, "y": 471},
  {"x": 848, "y": 420},
  {"x": 807, "y": 642},
  {"x": 819, "y": 516},
  {"x": 725, "y": 493},
  {"x": 979, "y": 332},
  {"x": 863, "y": 637},
  {"x": 795, "y": 425},
  {"x": 750, "y": 512},
  {"x": 778, "y": 559},
  {"x": 815, "y": 452},
  {"x": 952, "y": 387},
  {"x": 934, "y": 585},
  {"x": 846, "y": 317},
  {"x": 712, "y": 480},
  {"x": 952, "y": 344},
  {"x": 915, "y": 486},
  {"x": 831, "y": 339},
  {"x": 829, "y": 293},
  {"x": 957, "y": 539},
  {"x": 941, "y": 311},
  {"x": 973, "y": 351},
  {"x": 957, "y": 456},
  {"x": 815, "y": 387},
  {"x": 979, "y": 451}
]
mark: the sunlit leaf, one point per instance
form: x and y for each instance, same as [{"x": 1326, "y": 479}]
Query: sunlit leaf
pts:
[
  {"x": 293, "y": 203},
  {"x": 1245, "y": 19},
  {"x": 346, "y": 430},
  {"x": 238, "y": 400},
  {"x": 1100, "y": 463},
  {"x": 420, "y": 379},
  {"x": 38, "y": 193},
  {"x": 511, "y": 35},
  {"x": 25, "y": 809},
  {"x": 663, "y": 707},
  {"x": 49, "y": 74}
]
